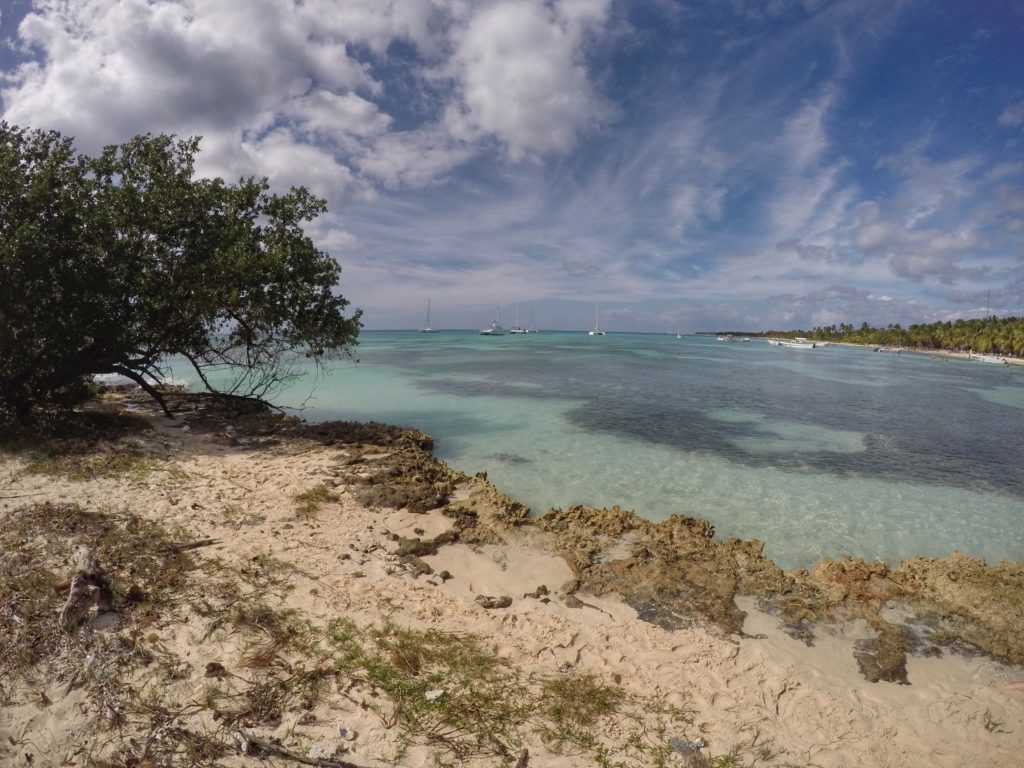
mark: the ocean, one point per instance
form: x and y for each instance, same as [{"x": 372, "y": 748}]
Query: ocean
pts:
[{"x": 818, "y": 453}]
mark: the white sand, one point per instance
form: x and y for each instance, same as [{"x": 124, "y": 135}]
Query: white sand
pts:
[{"x": 768, "y": 695}]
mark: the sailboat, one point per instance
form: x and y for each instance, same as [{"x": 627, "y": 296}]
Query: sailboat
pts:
[
  {"x": 427, "y": 328},
  {"x": 515, "y": 328},
  {"x": 597, "y": 331},
  {"x": 494, "y": 329}
]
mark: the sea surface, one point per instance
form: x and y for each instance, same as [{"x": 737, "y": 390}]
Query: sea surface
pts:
[{"x": 818, "y": 453}]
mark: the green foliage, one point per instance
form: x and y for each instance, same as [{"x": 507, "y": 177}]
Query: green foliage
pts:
[
  {"x": 308, "y": 503},
  {"x": 443, "y": 688},
  {"x": 109, "y": 264},
  {"x": 989, "y": 335},
  {"x": 448, "y": 690},
  {"x": 131, "y": 466}
]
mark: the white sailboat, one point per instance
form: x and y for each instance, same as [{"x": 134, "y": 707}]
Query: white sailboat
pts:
[
  {"x": 494, "y": 329},
  {"x": 427, "y": 328},
  {"x": 515, "y": 328},
  {"x": 597, "y": 330}
]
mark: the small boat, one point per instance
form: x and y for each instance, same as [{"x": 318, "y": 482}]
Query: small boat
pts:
[
  {"x": 745, "y": 339},
  {"x": 679, "y": 335},
  {"x": 494, "y": 329},
  {"x": 775, "y": 342},
  {"x": 597, "y": 331},
  {"x": 515, "y": 328},
  {"x": 798, "y": 343},
  {"x": 427, "y": 328}
]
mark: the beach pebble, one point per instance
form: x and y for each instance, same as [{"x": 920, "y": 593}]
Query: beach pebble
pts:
[
  {"x": 320, "y": 752},
  {"x": 489, "y": 601},
  {"x": 434, "y": 695},
  {"x": 348, "y": 734},
  {"x": 686, "y": 746}
]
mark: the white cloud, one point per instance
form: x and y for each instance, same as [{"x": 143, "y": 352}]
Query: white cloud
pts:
[
  {"x": 289, "y": 162},
  {"x": 413, "y": 158},
  {"x": 1004, "y": 170},
  {"x": 1012, "y": 115},
  {"x": 690, "y": 204},
  {"x": 337, "y": 117},
  {"x": 520, "y": 75},
  {"x": 110, "y": 69}
]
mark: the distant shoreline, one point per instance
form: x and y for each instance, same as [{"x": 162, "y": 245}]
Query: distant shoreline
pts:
[{"x": 968, "y": 356}]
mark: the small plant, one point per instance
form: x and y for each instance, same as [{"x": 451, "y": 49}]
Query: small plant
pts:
[
  {"x": 572, "y": 706},
  {"x": 440, "y": 688},
  {"x": 90, "y": 466},
  {"x": 308, "y": 503}
]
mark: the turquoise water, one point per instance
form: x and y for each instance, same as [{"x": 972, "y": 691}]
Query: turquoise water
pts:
[{"x": 816, "y": 452}]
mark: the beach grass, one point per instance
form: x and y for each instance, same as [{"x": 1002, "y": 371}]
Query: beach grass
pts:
[{"x": 309, "y": 502}]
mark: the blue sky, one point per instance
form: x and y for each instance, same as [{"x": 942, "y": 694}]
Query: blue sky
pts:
[{"x": 690, "y": 165}]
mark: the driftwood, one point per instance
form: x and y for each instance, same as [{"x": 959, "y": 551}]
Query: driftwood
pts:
[
  {"x": 88, "y": 585},
  {"x": 251, "y": 744}
]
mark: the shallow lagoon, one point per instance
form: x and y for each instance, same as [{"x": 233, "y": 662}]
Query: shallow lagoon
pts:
[{"x": 817, "y": 452}]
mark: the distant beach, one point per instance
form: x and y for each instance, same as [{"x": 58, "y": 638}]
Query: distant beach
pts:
[{"x": 943, "y": 353}]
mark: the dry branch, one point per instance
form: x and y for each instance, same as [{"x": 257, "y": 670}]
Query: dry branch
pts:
[{"x": 251, "y": 743}]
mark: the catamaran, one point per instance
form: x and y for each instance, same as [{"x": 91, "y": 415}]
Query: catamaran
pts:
[{"x": 494, "y": 329}]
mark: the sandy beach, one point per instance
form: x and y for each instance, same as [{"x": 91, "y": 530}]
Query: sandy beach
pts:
[
  {"x": 939, "y": 354},
  {"x": 360, "y": 529}
]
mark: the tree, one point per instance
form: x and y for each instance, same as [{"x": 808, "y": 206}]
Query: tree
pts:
[{"x": 110, "y": 264}]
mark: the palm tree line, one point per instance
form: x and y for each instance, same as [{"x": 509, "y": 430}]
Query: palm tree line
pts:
[{"x": 987, "y": 335}]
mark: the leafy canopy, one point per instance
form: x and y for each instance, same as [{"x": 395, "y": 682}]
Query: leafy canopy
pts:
[{"x": 109, "y": 264}]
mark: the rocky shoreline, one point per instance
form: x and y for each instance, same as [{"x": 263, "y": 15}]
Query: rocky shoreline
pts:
[{"x": 457, "y": 538}]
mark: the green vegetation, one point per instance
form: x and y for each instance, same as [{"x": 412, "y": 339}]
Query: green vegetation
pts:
[
  {"x": 109, "y": 264},
  {"x": 449, "y": 691},
  {"x": 989, "y": 335},
  {"x": 86, "y": 467},
  {"x": 308, "y": 503}
]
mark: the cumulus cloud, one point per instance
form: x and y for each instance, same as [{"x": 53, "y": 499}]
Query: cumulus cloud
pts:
[
  {"x": 520, "y": 75},
  {"x": 108, "y": 70},
  {"x": 413, "y": 158},
  {"x": 285, "y": 85}
]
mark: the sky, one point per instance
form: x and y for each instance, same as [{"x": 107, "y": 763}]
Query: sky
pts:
[{"x": 690, "y": 165}]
